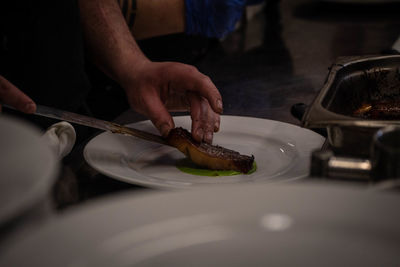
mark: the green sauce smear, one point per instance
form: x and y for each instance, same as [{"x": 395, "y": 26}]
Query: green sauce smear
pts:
[{"x": 187, "y": 166}]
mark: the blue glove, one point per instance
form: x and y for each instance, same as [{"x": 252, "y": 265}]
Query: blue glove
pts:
[{"x": 212, "y": 18}]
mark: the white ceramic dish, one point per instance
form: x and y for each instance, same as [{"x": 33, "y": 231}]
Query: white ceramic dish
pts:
[
  {"x": 28, "y": 168},
  {"x": 292, "y": 224},
  {"x": 281, "y": 150}
]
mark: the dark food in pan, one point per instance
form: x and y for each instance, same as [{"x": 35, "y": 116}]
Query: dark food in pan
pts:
[
  {"x": 382, "y": 110},
  {"x": 209, "y": 156}
]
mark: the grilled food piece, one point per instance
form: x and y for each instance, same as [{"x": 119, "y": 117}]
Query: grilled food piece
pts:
[
  {"x": 388, "y": 110},
  {"x": 206, "y": 155}
]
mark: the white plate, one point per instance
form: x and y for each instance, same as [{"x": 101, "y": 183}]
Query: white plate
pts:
[
  {"x": 281, "y": 151},
  {"x": 28, "y": 168},
  {"x": 292, "y": 224}
]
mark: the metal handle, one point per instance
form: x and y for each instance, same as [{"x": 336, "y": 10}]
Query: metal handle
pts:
[
  {"x": 325, "y": 164},
  {"x": 383, "y": 164}
]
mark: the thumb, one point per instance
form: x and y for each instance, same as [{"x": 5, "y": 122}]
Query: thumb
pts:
[{"x": 11, "y": 95}]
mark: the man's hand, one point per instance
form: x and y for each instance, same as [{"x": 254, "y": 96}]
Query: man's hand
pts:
[
  {"x": 152, "y": 88},
  {"x": 11, "y": 95},
  {"x": 157, "y": 88}
]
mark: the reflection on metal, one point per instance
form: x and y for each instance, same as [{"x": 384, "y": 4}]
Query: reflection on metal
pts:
[
  {"x": 325, "y": 164},
  {"x": 349, "y": 164},
  {"x": 349, "y": 167}
]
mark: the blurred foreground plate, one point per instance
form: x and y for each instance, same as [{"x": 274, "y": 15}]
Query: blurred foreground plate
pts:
[
  {"x": 28, "y": 168},
  {"x": 361, "y": 1},
  {"x": 237, "y": 225},
  {"x": 281, "y": 150}
]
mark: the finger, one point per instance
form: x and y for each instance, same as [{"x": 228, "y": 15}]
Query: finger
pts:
[
  {"x": 151, "y": 106},
  {"x": 177, "y": 101},
  {"x": 206, "y": 88},
  {"x": 191, "y": 79},
  {"x": 11, "y": 95},
  {"x": 217, "y": 123},
  {"x": 203, "y": 117}
]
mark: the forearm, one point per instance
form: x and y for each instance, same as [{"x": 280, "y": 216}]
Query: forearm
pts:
[{"x": 109, "y": 41}]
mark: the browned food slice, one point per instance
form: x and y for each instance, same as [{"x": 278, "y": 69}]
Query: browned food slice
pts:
[{"x": 206, "y": 155}]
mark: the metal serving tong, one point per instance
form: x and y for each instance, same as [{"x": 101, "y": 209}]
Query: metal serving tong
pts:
[{"x": 95, "y": 123}]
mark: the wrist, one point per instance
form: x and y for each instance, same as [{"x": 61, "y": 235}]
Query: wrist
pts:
[{"x": 129, "y": 73}]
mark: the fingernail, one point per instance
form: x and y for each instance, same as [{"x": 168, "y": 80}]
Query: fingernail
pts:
[
  {"x": 216, "y": 127},
  {"x": 208, "y": 138},
  {"x": 29, "y": 108},
  {"x": 219, "y": 105}
]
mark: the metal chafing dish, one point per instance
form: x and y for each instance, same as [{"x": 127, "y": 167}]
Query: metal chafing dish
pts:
[{"x": 351, "y": 82}]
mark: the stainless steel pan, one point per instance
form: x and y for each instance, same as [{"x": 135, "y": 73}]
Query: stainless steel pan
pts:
[{"x": 351, "y": 82}]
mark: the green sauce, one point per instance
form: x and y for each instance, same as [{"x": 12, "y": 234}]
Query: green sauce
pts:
[{"x": 187, "y": 166}]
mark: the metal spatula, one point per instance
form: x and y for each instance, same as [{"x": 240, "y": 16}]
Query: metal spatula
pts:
[{"x": 95, "y": 123}]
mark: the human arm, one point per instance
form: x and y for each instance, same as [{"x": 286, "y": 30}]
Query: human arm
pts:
[
  {"x": 11, "y": 95},
  {"x": 151, "y": 87}
]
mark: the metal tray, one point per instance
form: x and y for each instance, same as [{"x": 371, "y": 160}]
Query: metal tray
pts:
[{"x": 351, "y": 82}]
